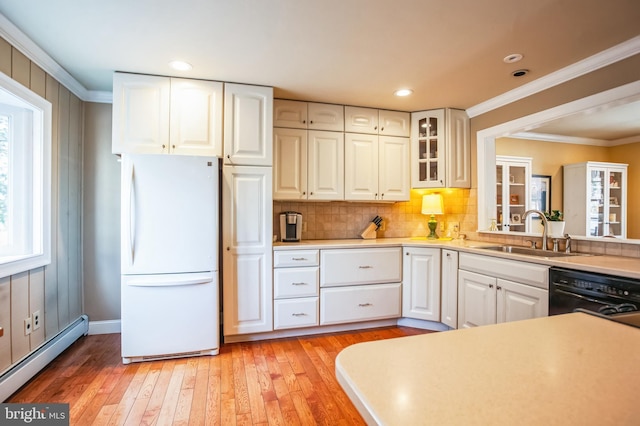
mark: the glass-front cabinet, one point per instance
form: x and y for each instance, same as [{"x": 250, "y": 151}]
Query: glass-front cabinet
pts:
[
  {"x": 440, "y": 149},
  {"x": 429, "y": 163},
  {"x": 595, "y": 199},
  {"x": 513, "y": 180}
]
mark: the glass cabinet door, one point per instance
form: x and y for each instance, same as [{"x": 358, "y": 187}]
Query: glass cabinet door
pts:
[
  {"x": 430, "y": 150},
  {"x": 513, "y": 178},
  {"x": 596, "y": 203},
  {"x": 615, "y": 216}
]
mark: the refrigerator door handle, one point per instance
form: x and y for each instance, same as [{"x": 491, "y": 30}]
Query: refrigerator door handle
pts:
[
  {"x": 169, "y": 281},
  {"x": 132, "y": 216}
]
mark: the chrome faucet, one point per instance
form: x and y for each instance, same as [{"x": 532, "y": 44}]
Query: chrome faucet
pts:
[
  {"x": 544, "y": 220},
  {"x": 567, "y": 248}
]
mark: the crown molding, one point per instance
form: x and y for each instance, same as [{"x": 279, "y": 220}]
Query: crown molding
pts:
[
  {"x": 607, "y": 57},
  {"x": 548, "y": 137},
  {"x": 27, "y": 47}
]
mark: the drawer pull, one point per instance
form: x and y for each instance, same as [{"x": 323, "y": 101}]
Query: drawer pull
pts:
[
  {"x": 298, "y": 314},
  {"x": 299, "y": 258},
  {"x": 298, "y": 283},
  {"x": 364, "y": 305},
  {"x": 365, "y": 267}
]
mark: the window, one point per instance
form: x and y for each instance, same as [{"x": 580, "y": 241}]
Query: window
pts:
[{"x": 25, "y": 179}]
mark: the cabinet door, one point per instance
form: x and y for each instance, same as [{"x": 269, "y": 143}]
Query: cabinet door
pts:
[
  {"x": 421, "y": 283},
  {"x": 247, "y": 243},
  {"x": 196, "y": 117},
  {"x": 428, "y": 149},
  {"x": 476, "y": 299},
  {"x": 360, "y": 120},
  {"x": 140, "y": 114},
  {"x": 5, "y": 323},
  {"x": 513, "y": 175},
  {"x": 615, "y": 202},
  {"x": 248, "y": 125},
  {"x": 326, "y": 117},
  {"x": 458, "y": 165},
  {"x": 449, "y": 288},
  {"x": 518, "y": 301},
  {"x": 289, "y": 164},
  {"x": 291, "y": 114},
  {"x": 394, "y": 123},
  {"x": 394, "y": 182},
  {"x": 360, "y": 167},
  {"x": 325, "y": 165}
]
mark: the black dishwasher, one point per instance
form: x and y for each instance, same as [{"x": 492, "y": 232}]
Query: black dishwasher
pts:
[{"x": 571, "y": 290}]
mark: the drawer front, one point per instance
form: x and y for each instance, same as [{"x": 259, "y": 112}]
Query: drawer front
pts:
[
  {"x": 293, "y": 313},
  {"x": 360, "y": 266},
  {"x": 295, "y": 282},
  {"x": 360, "y": 303},
  {"x": 292, "y": 258}
]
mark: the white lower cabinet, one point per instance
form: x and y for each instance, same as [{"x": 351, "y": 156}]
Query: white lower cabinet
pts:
[
  {"x": 295, "y": 288},
  {"x": 360, "y": 284},
  {"x": 449, "y": 288},
  {"x": 421, "y": 283},
  {"x": 489, "y": 294}
]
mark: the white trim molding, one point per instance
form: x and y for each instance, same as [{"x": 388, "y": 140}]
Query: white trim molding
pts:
[
  {"x": 27, "y": 47},
  {"x": 607, "y": 57}
]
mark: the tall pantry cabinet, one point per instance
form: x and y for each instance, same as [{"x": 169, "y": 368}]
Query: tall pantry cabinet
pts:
[{"x": 247, "y": 225}]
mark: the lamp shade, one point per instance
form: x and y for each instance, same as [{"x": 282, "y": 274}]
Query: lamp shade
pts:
[{"x": 432, "y": 204}]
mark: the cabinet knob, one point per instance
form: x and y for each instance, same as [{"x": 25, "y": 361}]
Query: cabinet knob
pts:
[
  {"x": 382, "y": 129},
  {"x": 499, "y": 288},
  {"x": 448, "y": 254},
  {"x": 406, "y": 254},
  {"x": 228, "y": 248},
  {"x": 304, "y": 121},
  {"x": 310, "y": 121},
  {"x": 304, "y": 192},
  {"x": 173, "y": 146},
  {"x": 375, "y": 128},
  {"x": 490, "y": 285},
  {"x": 163, "y": 146}
]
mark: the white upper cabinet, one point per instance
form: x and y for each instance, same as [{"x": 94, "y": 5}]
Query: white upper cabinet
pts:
[
  {"x": 248, "y": 123},
  {"x": 290, "y": 164},
  {"x": 308, "y": 115},
  {"x": 164, "y": 115},
  {"x": 291, "y": 114},
  {"x": 140, "y": 113},
  {"x": 196, "y": 117},
  {"x": 325, "y": 165},
  {"x": 376, "y": 168},
  {"x": 376, "y": 122},
  {"x": 361, "y": 120},
  {"x": 325, "y": 117},
  {"x": 441, "y": 150}
]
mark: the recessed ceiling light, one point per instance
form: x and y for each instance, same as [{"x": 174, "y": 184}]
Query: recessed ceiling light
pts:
[
  {"x": 520, "y": 73},
  {"x": 180, "y": 65},
  {"x": 403, "y": 92},
  {"x": 514, "y": 57}
]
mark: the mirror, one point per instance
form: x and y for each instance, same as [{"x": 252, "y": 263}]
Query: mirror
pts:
[{"x": 529, "y": 137}]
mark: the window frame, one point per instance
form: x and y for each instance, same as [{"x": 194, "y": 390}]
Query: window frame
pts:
[{"x": 40, "y": 131}]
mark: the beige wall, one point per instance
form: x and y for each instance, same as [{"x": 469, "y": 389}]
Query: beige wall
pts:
[
  {"x": 60, "y": 283},
  {"x": 609, "y": 77}
]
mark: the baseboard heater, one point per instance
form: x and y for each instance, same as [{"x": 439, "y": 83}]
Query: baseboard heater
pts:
[{"x": 24, "y": 370}]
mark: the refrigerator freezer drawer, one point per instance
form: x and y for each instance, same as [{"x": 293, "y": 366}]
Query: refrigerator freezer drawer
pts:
[{"x": 169, "y": 315}]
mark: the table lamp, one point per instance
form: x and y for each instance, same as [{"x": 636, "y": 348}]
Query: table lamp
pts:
[{"x": 432, "y": 204}]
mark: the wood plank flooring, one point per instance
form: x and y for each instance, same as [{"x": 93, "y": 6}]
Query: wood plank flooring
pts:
[{"x": 275, "y": 382}]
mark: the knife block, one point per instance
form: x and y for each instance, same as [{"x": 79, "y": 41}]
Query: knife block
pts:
[{"x": 369, "y": 232}]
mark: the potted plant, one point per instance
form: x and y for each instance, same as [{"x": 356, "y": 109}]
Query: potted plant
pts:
[{"x": 555, "y": 220}]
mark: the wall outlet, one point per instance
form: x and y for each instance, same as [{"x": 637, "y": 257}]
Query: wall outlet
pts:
[
  {"x": 383, "y": 227},
  {"x": 441, "y": 226},
  {"x": 36, "y": 320},
  {"x": 27, "y": 326},
  {"x": 304, "y": 226}
]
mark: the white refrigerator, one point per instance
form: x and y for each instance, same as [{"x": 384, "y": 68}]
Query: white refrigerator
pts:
[{"x": 169, "y": 256}]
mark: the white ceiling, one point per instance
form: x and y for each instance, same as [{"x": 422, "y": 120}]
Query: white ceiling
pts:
[{"x": 355, "y": 52}]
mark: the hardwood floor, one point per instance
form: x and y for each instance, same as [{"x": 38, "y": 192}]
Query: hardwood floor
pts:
[{"x": 275, "y": 382}]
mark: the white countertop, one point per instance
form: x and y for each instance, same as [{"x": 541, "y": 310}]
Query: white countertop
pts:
[
  {"x": 572, "y": 369},
  {"x": 604, "y": 264}
]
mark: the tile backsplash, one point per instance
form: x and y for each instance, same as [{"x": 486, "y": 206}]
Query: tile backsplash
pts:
[{"x": 343, "y": 219}]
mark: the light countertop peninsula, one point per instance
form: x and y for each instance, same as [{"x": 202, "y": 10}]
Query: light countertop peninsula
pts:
[
  {"x": 572, "y": 369},
  {"x": 614, "y": 265}
]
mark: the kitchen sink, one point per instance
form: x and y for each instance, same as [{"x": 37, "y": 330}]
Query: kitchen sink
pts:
[{"x": 532, "y": 252}]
